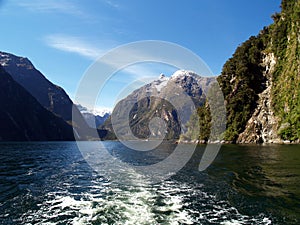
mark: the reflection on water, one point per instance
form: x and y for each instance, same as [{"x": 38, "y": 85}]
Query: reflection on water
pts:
[
  {"x": 50, "y": 183},
  {"x": 264, "y": 178}
]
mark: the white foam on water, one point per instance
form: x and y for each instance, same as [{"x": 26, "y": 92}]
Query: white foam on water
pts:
[
  {"x": 247, "y": 220},
  {"x": 137, "y": 202}
]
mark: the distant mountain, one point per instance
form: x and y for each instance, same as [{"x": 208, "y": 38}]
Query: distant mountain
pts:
[
  {"x": 23, "y": 118},
  {"x": 49, "y": 95},
  {"x": 154, "y": 100},
  {"x": 92, "y": 119}
]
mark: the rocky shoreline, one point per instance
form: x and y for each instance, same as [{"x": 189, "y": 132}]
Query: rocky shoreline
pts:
[{"x": 277, "y": 141}]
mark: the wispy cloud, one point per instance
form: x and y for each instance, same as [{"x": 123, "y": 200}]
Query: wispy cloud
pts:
[
  {"x": 82, "y": 47},
  {"x": 51, "y": 6},
  {"x": 112, "y": 4},
  {"x": 74, "y": 45}
]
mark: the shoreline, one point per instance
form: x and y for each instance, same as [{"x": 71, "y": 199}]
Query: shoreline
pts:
[
  {"x": 277, "y": 142},
  {"x": 198, "y": 142}
]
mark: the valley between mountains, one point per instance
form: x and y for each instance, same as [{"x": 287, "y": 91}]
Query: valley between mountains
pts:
[{"x": 260, "y": 84}]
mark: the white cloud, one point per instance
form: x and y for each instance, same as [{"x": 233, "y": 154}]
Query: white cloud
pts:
[
  {"x": 74, "y": 44},
  {"x": 92, "y": 51},
  {"x": 51, "y": 6}
]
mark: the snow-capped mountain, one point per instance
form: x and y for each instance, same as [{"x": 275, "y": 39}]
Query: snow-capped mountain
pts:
[
  {"x": 94, "y": 118},
  {"x": 165, "y": 98}
]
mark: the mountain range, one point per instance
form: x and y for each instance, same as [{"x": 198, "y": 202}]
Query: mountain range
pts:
[
  {"x": 260, "y": 84},
  {"x": 92, "y": 118},
  {"x": 164, "y": 98},
  {"x": 51, "y": 99}
]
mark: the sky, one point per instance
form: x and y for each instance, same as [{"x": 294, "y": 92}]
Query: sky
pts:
[{"x": 64, "y": 38}]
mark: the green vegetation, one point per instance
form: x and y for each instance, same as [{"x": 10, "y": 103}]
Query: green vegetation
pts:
[
  {"x": 241, "y": 81},
  {"x": 204, "y": 115},
  {"x": 199, "y": 125},
  {"x": 208, "y": 121},
  {"x": 245, "y": 76},
  {"x": 285, "y": 39},
  {"x": 242, "y": 78}
]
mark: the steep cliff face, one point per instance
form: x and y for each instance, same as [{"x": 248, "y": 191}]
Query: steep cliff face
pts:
[
  {"x": 50, "y": 96},
  {"x": 261, "y": 83},
  {"x": 262, "y": 127},
  {"x": 242, "y": 80},
  {"x": 285, "y": 43},
  {"x": 24, "y": 119}
]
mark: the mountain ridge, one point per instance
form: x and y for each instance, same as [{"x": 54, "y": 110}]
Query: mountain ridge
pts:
[
  {"x": 24, "y": 119},
  {"x": 92, "y": 118},
  {"x": 52, "y": 97},
  {"x": 163, "y": 98},
  {"x": 260, "y": 83}
]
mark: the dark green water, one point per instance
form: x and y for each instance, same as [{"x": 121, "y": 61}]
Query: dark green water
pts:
[{"x": 50, "y": 183}]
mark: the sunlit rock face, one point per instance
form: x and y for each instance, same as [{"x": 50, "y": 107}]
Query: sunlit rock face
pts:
[{"x": 164, "y": 98}]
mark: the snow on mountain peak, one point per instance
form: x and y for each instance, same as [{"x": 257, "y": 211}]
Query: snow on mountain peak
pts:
[
  {"x": 10, "y": 60},
  {"x": 161, "y": 76},
  {"x": 101, "y": 111},
  {"x": 96, "y": 111},
  {"x": 161, "y": 82},
  {"x": 183, "y": 73},
  {"x": 4, "y": 59}
]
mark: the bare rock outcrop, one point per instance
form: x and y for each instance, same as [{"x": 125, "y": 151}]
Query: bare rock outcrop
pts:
[{"x": 262, "y": 127}]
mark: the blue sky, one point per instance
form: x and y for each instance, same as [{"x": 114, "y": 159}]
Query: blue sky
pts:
[{"x": 63, "y": 38}]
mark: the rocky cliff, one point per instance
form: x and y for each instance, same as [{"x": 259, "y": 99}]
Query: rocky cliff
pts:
[
  {"x": 24, "y": 119},
  {"x": 261, "y": 83},
  {"x": 50, "y": 96},
  {"x": 262, "y": 127}
]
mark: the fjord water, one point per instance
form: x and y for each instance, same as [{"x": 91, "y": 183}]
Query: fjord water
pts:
[{"x": 51, "y": 183}]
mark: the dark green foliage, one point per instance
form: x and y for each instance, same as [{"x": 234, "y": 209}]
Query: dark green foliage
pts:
[
  {"x": 204, "y": 122},
  {"x": 241, "y": 81},
  {"x": 289, "y": 133},
  {"x": 199, "y": 125},
  {"x": 208, "y": 122},
  {"x": 242, "y": 77}
]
